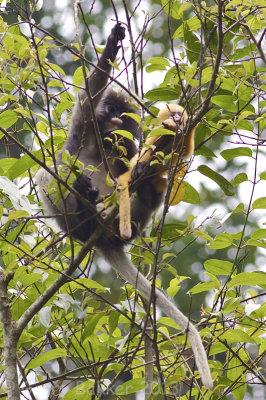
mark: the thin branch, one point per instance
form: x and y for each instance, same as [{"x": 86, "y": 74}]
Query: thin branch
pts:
[
  {"x": 205, "y": 107},
  {"x": 258, "y": 44}
]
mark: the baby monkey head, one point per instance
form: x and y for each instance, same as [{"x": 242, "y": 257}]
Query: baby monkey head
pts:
[{"x": 174, "y": 112}]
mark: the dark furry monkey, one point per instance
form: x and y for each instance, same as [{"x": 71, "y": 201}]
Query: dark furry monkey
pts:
[{"x": 100, "y": 110}]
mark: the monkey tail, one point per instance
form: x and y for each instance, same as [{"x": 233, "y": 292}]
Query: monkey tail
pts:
[{"x": 119, "y": 261}]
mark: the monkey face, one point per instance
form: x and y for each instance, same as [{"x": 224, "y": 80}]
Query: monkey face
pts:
[
  {"x": 176, "y": 113},
  {"x": 111, "y": 114},
  {"x": 113, "y": 117},
  {"x": 177, "y": 117}
]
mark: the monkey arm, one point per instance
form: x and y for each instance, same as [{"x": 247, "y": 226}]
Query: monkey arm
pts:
[
  {"x": 98, "y": 78},
  {"x": 82, "y": 123}
]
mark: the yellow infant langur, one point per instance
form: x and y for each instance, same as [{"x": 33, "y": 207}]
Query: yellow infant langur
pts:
[{"x": 174, "y": 117}]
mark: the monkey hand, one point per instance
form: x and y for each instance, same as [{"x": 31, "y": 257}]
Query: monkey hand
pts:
[
  {"x": 117, "y": 34},
  {"x": 169, "y": 124},
  {"x": 84, "y": 187}
]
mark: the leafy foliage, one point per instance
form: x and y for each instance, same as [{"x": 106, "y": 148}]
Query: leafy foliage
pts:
[{"x": 212, "y": 62}]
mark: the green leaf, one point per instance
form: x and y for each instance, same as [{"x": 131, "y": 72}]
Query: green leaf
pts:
[
  {"x": 147, "y": 257},
  {"x": 173, "y": 288},
  {"x": 256, "y": 243},
  {"x": 44, "y": 358},
  {"x": 239, "y": 178},
  {"x": 134, "y": 116},
  {"x": 263, "y": 176},
  {"x": 8, "y": 118},
  {"x": 88, "y": 283},
  {"x": 231, "y": 305},
  {"x": 61, "y": 107},
  {"x": 205, "y": 151},
  {"x": 29, "y": 279},
  {"x": 226, "y": 186},
  {"x": 203, "y": 234},
  {"x": 171, "y": 231},
  {"x": 259, "y": 203},
  {"x": 191, "y": 195},
  {"x": 240, "y": 391},
  {"x": 171, "y": 8},
  {"x": 226, "y": 102},
  {"x": 202, "y": 287},
  {"x": 17, "y": 214},
  {"x": 129, "y": 387},
  {"x": 109, "y": 180},
  {"x": 159, "y": 60},
  {"x": 259, "y": 234},
  {"x": 236, "y": 335},
  {"x": 162, "y": 94},
  {"x": 90, "y": 325},
  {"x": 236, "y": 373},
  {"x": 161, "y": 132},
  {"x": 218, "y": 267},
  {"x": 6, "y": 164},
  {"x": 223, "y": 240},
  {"x": 78, "y": 77},
  {"x": 256, "y": 278},
  {"x": 236, "y": 152},
  {"x": 22, "y": 165},
  {"x": 80, "y": 392},
  {"x": 113, "y": 321},
  {"x": 193, "y": 45},
  {"x": 57, "y": 68},
  {"x": 219, "y": 244},
  {"x": 217, "y": 348},
  {"x": 169, "y": 322},
  {"x": 263, "y": 346},
  {"x": 157, "y": 64},
  {"x": 239, "y": 208},
  {"x": 123, "y": 133}
]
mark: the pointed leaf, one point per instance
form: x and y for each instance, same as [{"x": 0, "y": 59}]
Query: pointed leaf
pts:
[
  {"x": 226, "y": 186},
  {"x": 44, "y": 358}
]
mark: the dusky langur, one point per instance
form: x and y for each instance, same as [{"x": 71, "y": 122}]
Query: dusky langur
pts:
[{"x": 99, "y": 108}]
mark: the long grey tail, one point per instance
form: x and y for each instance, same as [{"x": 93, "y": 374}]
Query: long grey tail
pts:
[{"x": 119, "y": 261}]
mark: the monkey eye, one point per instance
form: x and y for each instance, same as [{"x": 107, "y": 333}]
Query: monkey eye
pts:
[{"x": 110, "y": 109}]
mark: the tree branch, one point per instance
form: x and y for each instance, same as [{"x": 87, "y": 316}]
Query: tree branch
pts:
[{"x": 10, "y": 341}]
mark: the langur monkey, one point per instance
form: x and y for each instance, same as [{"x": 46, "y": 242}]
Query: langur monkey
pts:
[
  {"x": 174, "y": 117},
  {"x": 100, "y": 110}
]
